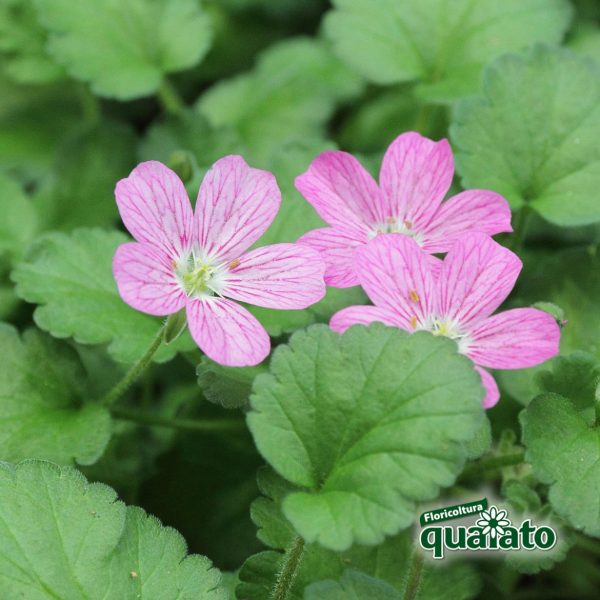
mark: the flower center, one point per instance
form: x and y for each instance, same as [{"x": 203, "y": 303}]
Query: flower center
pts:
[
  {"x": 395, "y": 225},
  {"x": 201, "y": 276},
  {"x": 449, "y": 329}
]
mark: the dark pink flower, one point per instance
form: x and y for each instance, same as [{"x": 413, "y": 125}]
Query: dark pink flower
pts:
[
  {"x": 455, "y": 298},
  {"x": 416, "y": 174},
  {"x": 198, "y": 260}
]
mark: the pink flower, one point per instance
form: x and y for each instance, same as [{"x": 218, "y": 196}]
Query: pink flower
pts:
[
  {"x": 197, "y": 260},
  {"x": 416, "y": 174},
  {"x": 454, "y": 298}
]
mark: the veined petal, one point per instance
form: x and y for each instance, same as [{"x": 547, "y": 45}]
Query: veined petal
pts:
[
  {"x": 226, "y": 332},
  {"x": 342, "y": 192},
  {"x": 284, "y": 276},
  {"x": 398, "y": 275},
  {"x": 146, "y": 279},
  {"x": 473, "y": 210},
  {"x": 363, "y": 315},
  {"x": 336, "y": 247},
  {"x": 492, "y": 393},
  {"x": 156, "y": 209},
  {"x": 515, "y": 339},
  {"x": 476, "y": 277},
  {"x": 415, "y": 175},
  {"x": 235, "y": 206}
]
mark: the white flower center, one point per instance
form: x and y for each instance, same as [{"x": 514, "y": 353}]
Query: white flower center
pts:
[
  {"x": 201, "y": 276},
  {"x": 451, "y": 329},
  {"x": 395, "y": 225}
]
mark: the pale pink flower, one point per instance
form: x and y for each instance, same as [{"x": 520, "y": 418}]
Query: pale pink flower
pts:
[
  {"x": 455, "y": 297},
  {"x": 416, "y": 174},
  {"x": 198, "y": 260}
]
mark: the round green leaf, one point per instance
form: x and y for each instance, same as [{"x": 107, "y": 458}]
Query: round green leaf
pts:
[{"x": 369, "y": 423}]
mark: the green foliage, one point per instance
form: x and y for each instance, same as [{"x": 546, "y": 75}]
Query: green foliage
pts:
[
  {"x": 124, "y": 49},
  {"x": 352, "y": 586},
  {"x": 441, "y": 44},
  {"x": 70, "y": 277},
  {"x": 399, "y": 442},
  {"x": 532, "y": 134},
  {"x": 61, "y": 537}
]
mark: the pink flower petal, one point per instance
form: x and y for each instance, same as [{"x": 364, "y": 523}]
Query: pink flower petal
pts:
[
  {"x": 235, "y": 206},
  {"x": 363, "y": 315},
  {"x": 337, "y": 250},
  {"x": 397, "y": 275},
  {"x": 343, "y": 193},
  {"x": 492, "y": 394},
  {"x": 155, "y": 208},
  {"x": 515, "y": 339},
  {"x": 146, "y": 279},
  {"x": 284, "y": 276},
  {"x": 473, "y": 210},
  {"x": 415, "y": 175},
  {"x": 476, "y": 277},
  {"x": 226, "y": 332}
]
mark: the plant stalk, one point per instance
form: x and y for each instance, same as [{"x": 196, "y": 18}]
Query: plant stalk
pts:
[
  {"x": 492, "y": 463},
  {"x": 170, "y": 99},
  {"x": 414, "y": 575},
  {"x": 289, "y": 570}
]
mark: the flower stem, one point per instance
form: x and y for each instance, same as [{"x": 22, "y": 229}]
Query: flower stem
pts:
[
  {"x": 520, "y": 228},
  {"x": 492, "y": 463},
  {"x": 121, "y": 387},
  {"x": 90, "y": 106},
  {"x": 217, "y": 425},
  {"x": 414, "y": 575},
  {"x": 423, "y": 119},
  {"x": 289, "y": 570},
  {"x": 170, "y": 99}
]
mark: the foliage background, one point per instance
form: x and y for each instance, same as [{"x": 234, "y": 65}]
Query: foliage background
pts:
[{"x": 90, "y": 88}]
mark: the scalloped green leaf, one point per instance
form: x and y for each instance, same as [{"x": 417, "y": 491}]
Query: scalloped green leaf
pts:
[
  {"x": 368, "y": 423},
  {"x": 43, "y": 410},
  {"x": 61, "y": 537},
  {"x": 532, "y": 134},
  {"x": 440, "y": 43},
  {"x": 564, "y": 452},
  {"x": 124, "y": 49},
  {"x": 70, "y": 278},
  {"x": 352, "y": 585}
]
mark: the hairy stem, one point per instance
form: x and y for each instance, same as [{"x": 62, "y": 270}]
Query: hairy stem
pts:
[
  {"x": 135, "y": 371},
  {"x": 492, "y": 463},
  {"x": 170, "y": 99},
  {"x": 414, "y": 575},
  {"x": 289, "y": 570},
  {"x": 217, "y": 425}
]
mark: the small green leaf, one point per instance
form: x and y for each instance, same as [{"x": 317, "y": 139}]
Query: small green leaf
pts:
[
  {"x": 61, "y": 537},
  {"x": 564, "y": 451},
  {"x": 368, "y": 423},
  {"x": 124, "y": 49},
  {"x": 532, "y": 135},
  {"x": 353, "y": 585},
  {"x": 70, "y": 277},
  {"x": 44, "y": 412},
  {"x": 440, "y": 43}
]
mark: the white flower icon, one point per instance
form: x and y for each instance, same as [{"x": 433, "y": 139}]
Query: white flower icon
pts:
[{"x": 493, "y": 521}]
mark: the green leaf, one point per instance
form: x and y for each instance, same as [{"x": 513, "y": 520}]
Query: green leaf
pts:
[
  {"x": 532, "y": 135},
  {"x": 353, "y": 585},
  {"x": 228, "y": 386},
  {"x": 45, "y": 413},
  {"x": 61, "y": 537},
  {"x": 564, "y": 451},
  {"x": 19, "y": 219},
  {"x": 586, "y": 40},
  {"x": 23, "y": 41},
  {"x": 290, "y": 94},
  {"x": 87, "y": 166},
  {"x": 70, "y": 277},
  {"x": 440, "y": 43},
  {"x": 124, "y": 49},
  {"x": 369, "y": 423}
]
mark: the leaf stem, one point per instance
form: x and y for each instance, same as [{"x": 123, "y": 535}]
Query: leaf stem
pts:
[
  {"x": 492, "y": 463},
  {"x": 423, "y": 119},
  {"x": 217, "y": 425},
  {"x": 289, "y": 570},
  {"x": 414, "y": 575},
  {"x": 135, "y": 371},
  {"x": 170, "y": 99},
  {"x": 90, "y": 105},
  {"x": 520, "y": 228}
]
